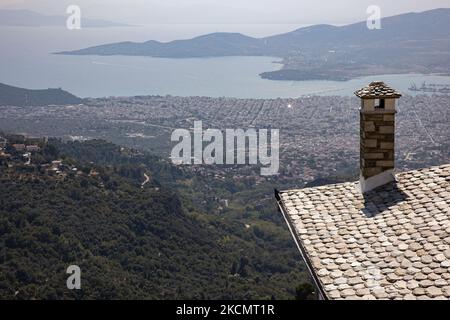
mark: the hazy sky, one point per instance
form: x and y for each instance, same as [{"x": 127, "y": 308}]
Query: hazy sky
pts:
[{"x": 301, "y": 12}]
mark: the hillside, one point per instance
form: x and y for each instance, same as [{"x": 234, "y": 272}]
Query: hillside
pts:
[
  {"x": 210, "y": 45},
  {"x": 131, "y": 242},
  {"x": 412, "y": 42},
  {"x": 14, "y": 96}
]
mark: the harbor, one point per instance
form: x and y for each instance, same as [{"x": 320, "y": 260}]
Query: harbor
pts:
[{"x": 431, "y": 87}]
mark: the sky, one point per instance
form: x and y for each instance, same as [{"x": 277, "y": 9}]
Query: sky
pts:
[{"x": 300, "y": 12}]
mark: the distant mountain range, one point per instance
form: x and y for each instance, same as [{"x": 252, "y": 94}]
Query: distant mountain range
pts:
[
  {"x": 14, "y": 96},
  {"x": 27, "y": 18},
  {"x": 412, "y": 42}
]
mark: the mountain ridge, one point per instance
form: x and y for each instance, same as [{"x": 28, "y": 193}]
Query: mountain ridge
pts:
[{"x": 392, "y": 23}]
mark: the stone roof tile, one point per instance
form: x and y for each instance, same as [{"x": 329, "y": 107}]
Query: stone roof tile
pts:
[
  {"x": 377, "y": 90},
  {"x": 390, "y": 243}
]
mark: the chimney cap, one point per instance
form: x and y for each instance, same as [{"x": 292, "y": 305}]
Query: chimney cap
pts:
[{"x": 377, "y": 90}]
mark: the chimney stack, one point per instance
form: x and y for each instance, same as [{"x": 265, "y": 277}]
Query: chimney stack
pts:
[{"x": 377, "y": 134}]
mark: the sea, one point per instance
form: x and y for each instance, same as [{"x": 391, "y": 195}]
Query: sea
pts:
[{"x": 27, "y": 60}]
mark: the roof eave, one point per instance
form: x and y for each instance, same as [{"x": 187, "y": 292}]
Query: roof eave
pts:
[
  {"x": 396, "y": 96},
  {"x": 300, "y": 247}
]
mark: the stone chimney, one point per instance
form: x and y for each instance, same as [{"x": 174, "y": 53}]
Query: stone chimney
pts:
[{"x": 377, "y": 134}]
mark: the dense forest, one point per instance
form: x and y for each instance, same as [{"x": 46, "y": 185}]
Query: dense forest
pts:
[{"x": 134, "y": 241}]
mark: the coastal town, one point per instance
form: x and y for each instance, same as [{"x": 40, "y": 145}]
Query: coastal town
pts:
[{"x": 318, "y": 134}]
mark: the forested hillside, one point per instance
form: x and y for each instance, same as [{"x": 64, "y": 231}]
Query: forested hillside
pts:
[{"x": 83, "y": 203}]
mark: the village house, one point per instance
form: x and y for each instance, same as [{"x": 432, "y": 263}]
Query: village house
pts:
[
  {"x": 386, "y": 236},
  {"x": 32, "y": 148},
  {"x": 4, "y": 155},
  {"x": 19, "y": 147},
  {"x": 56, "y": 163}
]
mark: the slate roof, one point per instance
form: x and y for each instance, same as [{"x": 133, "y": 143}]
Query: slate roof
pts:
[
  {"x": 377, "y": 90},
  {"x": 391, "y": 243}
]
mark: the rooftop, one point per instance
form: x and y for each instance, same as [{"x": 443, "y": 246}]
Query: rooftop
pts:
[
  {"x": 377, "y": 90},
  {"x": 390, "y": 243}
]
